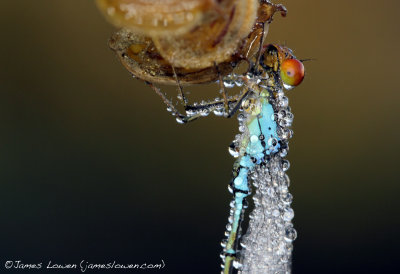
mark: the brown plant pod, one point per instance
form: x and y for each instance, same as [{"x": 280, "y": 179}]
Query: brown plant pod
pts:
[
  {"x": 140, "y": 57},
  {"x": 212, "y": 42},
  {"x": 158, "y": 17}
]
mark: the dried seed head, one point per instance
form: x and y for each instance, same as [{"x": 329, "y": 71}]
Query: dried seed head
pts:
[{"x": 156, "y": 17}]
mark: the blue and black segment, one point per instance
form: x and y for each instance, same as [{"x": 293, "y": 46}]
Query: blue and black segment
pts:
[{"x": 262, "y": 144}]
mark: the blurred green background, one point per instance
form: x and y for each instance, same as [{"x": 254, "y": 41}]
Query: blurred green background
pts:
[{"x": 93, "y": 167}]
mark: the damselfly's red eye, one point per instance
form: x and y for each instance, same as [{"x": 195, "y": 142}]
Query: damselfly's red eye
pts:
[{"x": 292, "y": 72}]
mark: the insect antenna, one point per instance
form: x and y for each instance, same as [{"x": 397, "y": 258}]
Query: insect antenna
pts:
[{"x": 308, "y": 59}]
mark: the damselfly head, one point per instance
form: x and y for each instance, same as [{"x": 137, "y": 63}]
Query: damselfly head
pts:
[
  {"x": 281, "y": 59},
  {"x": 292, "y": 72}
]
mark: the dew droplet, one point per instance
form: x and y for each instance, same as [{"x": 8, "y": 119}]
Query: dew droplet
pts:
[
  {"x": 254, "y": 138},
  {"x": 180, "y": 120},
  {"x": 204, "y": 112},
  {"x": 241, "y": 117},
  {"x": 285, "y": 165},
  {"x": 287, "y": 87},
  {"x": 233, "y": 151},
  {"x": 272, "y": 142},
  {"x": 290, "y": 234},
  {"x": 284, "y": 102},
  {"x": 288, "y": 214},
  {"x": 229, "y": 83},
  {"x": 237, "y": 265},
  {"x": 275, "y": 213},
  {"x": 287, "y": 198},
  {"x": 218, "y": 111}
]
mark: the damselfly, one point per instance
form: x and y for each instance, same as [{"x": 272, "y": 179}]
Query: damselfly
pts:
[
  {"x": 206, "y": 45},
  {"x": 264, "y": 122}
]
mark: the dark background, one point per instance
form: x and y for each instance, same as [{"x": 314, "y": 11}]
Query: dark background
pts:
[{"x": 92, "y": 166}]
